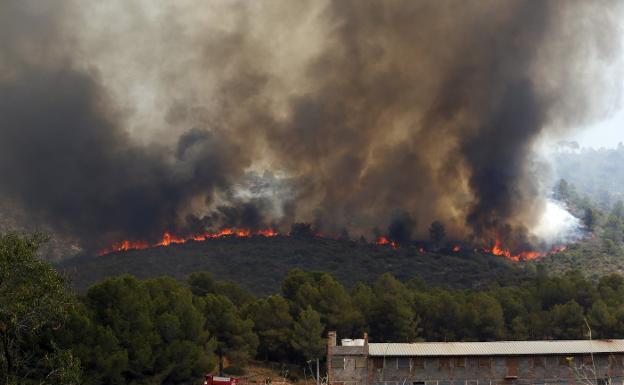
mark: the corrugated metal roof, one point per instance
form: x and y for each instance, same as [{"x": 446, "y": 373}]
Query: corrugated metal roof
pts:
[{"x": 500, "y": 348}]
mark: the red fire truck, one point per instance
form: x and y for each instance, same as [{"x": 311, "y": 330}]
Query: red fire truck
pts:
[{"x": 209, "y": 379}]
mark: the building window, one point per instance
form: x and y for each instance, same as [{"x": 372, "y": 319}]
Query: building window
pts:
[
  {"x": 418, "y": 383},
  {"x": 338, "y": 362},
  {"x": 390, "y": 363},
  {"x": 460, "y": 362},
  {"x": 403, "y": 363},
  {"x": 484, "y": 362},
  {"x": 418, "y": 362},
  {"x": 587, "y": 360},
  {"x": 444, "y": 363},
  {"x": 378, "y": 363},
  {"x": 360, "y": 362}
]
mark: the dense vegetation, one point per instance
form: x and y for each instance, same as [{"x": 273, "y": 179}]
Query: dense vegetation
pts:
[
  {"x": 259, "y": 264},
  {"x": 33, "y": 302},
  {"x": 129, "y": 331}
]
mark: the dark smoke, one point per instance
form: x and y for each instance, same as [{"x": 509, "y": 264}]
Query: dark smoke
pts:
[
  {"x": 497, "y": 171},
  {"x": 63, "y": 157},
  {"x": 365, "y": 109},
  {"x": 401, "y": 228},
  {"x": 434, "y": 107}
]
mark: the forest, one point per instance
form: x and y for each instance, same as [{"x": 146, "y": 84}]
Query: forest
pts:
[
  {"x": 600, "y": 250},
  {"x": 123, "y": 330}
]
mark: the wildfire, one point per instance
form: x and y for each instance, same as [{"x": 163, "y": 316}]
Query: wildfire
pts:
[
  {"x": 497, "y": 250},
  {"x": 169, "y": 239},
  {"x": 128, "y": 245},
  {"x": 522, "y": 256},
  {"x": 386, "y": 241}
]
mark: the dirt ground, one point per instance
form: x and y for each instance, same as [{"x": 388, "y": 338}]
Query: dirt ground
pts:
[{"x": 263, "y": 373}]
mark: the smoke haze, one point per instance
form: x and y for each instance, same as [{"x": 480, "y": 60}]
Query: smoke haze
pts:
[{"x": 124, "y": 120}]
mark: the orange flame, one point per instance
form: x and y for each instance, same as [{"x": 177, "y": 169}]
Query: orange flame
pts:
[
  {"x": 497, "y": 250},
  {"x": 386, "y": 241},
  {"x": 522, "y": 256},
  {"x": 130, "y": 245},
  {"x": 169, "y": 239},
  {"x": 456, "y": 249}
]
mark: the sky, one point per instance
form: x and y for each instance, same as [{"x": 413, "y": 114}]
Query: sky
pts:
[{"x": 607, "y": 133}]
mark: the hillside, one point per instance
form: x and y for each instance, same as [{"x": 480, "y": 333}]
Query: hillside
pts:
[
  {"x": 593, "y": 189},
  {"x": 596, "y": 174},
  {"x": 259, "y": 264},
  {"x": 594, "y": 257}
]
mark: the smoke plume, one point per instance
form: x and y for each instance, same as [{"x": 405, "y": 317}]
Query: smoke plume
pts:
[{"x": 122, "y": 121}]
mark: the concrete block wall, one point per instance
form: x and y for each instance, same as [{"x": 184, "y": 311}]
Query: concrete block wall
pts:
[{"x": 491, "y": 370}]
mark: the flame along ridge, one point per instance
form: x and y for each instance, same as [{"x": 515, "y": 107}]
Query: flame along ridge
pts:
[{"x": 169, "y": 239}]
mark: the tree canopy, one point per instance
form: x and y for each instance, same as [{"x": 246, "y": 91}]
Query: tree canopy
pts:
[
  {"x": 161, "y": 331},
  {"x": 33, "y": 301}
]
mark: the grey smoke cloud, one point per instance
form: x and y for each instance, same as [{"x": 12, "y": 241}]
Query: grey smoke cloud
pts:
[{"x": 122, "y": 121}]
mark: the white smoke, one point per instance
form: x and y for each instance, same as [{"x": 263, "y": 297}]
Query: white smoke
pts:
[{"x": 557, "y": 226}]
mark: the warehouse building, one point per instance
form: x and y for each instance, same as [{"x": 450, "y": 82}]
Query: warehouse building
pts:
[{"x": 357, "y": 362}]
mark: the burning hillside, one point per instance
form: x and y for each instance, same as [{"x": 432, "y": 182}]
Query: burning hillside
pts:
[
  {"x": 422, "y": 246},
  {"x": 168, "y": 239},
  {"x": 259, "y": 263},
  {"x": 522, "y": 255}
]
